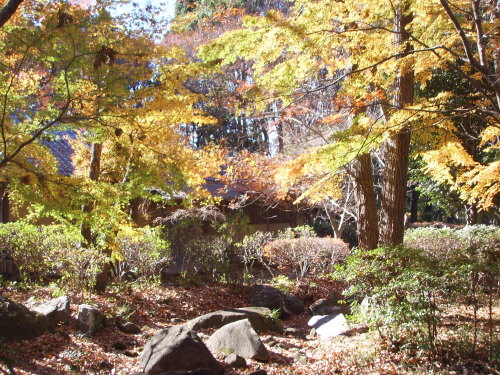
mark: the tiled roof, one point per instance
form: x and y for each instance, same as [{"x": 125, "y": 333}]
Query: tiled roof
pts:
[
  {"x": 61, "y": 149},
  {"x": 219, "y": 189}
]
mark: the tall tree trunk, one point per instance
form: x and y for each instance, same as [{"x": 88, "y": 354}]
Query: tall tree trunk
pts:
[
  {"x": 95, "y": 171},
  {"x": 4, "y": 203},
  {"x": 396, "y": 148},
  {"x": 366, "y": 204}
]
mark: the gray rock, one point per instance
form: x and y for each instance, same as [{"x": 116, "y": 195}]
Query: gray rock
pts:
[
  {"x": 240, "y": 338},
  {"x": 56, "y": 310},
  {"x": 17, "y": 322},
  {"x": 272, "y": 298},
  {"x": 130, "y": 327},
  {"x": 327, "y": 326},
  {"x": 235, "y": 360},
  {"x": 290, "y": 331},
  {"x": 295, "y": 304},
  {"x": 90, "y": 320},
  {"x": 177, "y": 349},
  {"x": 259, "y": 317}
]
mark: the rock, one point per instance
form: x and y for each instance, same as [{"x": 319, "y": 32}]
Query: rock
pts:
[
  {"x": 325, "y": 307},
  {"x": 203, "y": 371},
  {"x": 118, "y": 345},
  {"x": 56, "y": 310},
  {"x": 90, "y": 320},
  {"x": 272, "y": 298},
  {"x": 105, "y": 365},
  {"x": 259, "y": 317},
  {"x": 290, "y": 331},
  {"x": 295, "y": 304},
  {"x": 258, "y": 372},
  {"x": 177, "y": 348},
  {"x": 300, "y": 357},
  {"x": 327, "y": 326},
  {"x": 17, "y": 322},
  {"x": 131, "y": 354},
  {"x": 235, "y": 360},
  {"x": 203, "y": 336},
  {"x": 130, "y": 327},
  {"x": 311, "y": 335},
  {"x": 240, "y": 338}
]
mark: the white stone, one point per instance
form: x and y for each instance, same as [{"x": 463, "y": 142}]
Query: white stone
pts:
[{"x": 327, "y": 326}]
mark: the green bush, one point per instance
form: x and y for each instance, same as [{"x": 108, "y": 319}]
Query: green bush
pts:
[
  {"x": 403, "y": 285},
  {"x": 204, "y": 242},
  {"x": 39, "y": 250},
  {"x": 144, "y": 250},
  {"x": 434, "y": 268}
]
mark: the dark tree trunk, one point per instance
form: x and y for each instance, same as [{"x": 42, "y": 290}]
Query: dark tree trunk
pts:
[
  {"x": 8, "y": 11},
  {"x": 135, "y": 212},
  {"x": 396, "y": 150},
  {"x": 4, "y": 203},
  {"x": 279, "y": 130},
  {"x": 366, "y": 203},
  {"x": 95, "y": 170}
]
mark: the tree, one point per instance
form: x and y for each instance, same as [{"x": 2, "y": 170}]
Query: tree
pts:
[
  {"x": 77, "y": 70},
  {"x": 378, "y": 51}
]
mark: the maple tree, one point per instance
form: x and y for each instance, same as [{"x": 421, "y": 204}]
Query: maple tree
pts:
[
  {"x": 74, "y": 71},
  {"x": 378, "y": 51}
]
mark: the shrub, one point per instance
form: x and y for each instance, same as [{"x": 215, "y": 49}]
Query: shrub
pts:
[
  {"x": 251, "y": 249},
  {"x": 296, "y": 232},
  {"x": 282, "y": 283},
  {"x": 403, "y": 285},
  {"x": 144, "y": 251},
  {"x": 207, "y": 245},
  {"x": 434, "y": 267},
  {"x": 306, "y": 254},
  {"x": 39, "y": 250}
]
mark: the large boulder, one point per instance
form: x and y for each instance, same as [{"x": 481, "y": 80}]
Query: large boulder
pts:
[
  {"x": 202, "y": 371},
  {"x": 272, "y": 298},
  {"x": 17, "y": 322},
  {"x": 327, "y": 326},
  {"x": 260, "y": 318},
  {"x": 56, "y": 310},
  {"x": 90, "y": 319},
  {"x": 177, "y": 348},
  {"x": 239, "y": 338}
]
